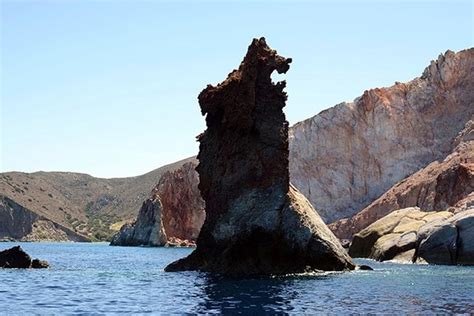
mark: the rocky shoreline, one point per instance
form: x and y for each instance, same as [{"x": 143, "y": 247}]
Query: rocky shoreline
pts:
[{"x": 405, "y": 147}]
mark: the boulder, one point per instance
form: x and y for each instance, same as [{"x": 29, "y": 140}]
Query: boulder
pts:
[
  {"x": 394, "y": 235},
  {"x": 449, "y": 241},
  {"x": 256, "y": 222},
  {"x": 39, "y": 264},
  {"x": 16, "y": 257}
]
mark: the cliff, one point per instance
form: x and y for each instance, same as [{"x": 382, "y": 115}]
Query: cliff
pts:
[
  {"x": 172, "y": 216},
  {"x": 347, "y": 156},
  {"x": 256, "y": 223},
  {"x": 442, "y": 185},
  {"x": 20, "y": 223},
  {"x": 90, "y": 206},
  {"x": 147, "y": 230},
  {"x": 183, "y": 207}
]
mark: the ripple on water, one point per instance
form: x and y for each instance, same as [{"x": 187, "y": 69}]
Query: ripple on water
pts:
[{"x": 96, "y": 278}]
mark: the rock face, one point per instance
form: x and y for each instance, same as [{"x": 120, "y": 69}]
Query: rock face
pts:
[
  {"x": 412, "y": 235},
  {"x": 173, "y": 216},
  {"x": 393, "y": 235},
  {"x": 450, "y": 241},
  {"x": 347, "y": 156},
  {"x": 19, "y": 223},
  {"x": 17, "y": 258},
  {"x": 442, "y": 185},
  {"x": 89, "y": 206},
  {"x": 183, "y": 208},
  {"x": 256, "y": 223},
  {"x": 148, "y": 228}
]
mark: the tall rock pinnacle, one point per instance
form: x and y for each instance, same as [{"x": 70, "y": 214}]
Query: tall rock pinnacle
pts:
[{"x": 256, "y": 222}]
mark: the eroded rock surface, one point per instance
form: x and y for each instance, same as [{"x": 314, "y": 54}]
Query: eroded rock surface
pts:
[
  {"x": 183, "y": 208},
  {"x": 450, "y": 241},
  {"x": 16, "y": 257},
  {"x": 393, "y": 235},
  {"x": 20, "y": 223},
  {"x": 347, "y": 156},
  {"x": 256, "y": 223},
  {"x": 172, "y": 216},
  {"x": 411, "y": 235},
  {"x": 442, "y": 185},
  {"x": 148, "y": 228}
]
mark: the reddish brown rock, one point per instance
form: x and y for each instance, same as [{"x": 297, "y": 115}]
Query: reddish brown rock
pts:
[
  {"x": 256, "y": 223},
  {"x": 172, "y": 216},
  {"x": 347, "y": 156},
  {"x": 444, "y": 185},
  {"x": 183, "y": 208}
]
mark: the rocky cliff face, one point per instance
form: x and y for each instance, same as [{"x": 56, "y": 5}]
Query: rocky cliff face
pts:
[
  {"x": 256, "y": 223},
  {"x": 442, "y": 185},
  {"x": 183, "y": 208},
  {"x": 148, "y": 228},
  {"x": 347, "y": 156},
  {"x": 20, "y": 223},
  {"x": 173, "y": 216}
]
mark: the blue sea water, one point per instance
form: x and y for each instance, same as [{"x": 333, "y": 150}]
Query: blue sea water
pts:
[{"x": 98, "y": 279}]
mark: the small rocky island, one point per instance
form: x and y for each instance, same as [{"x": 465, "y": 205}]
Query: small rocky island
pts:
[
  {"x": 17, "y": 258},
  {"x": 256, "y": 222}
]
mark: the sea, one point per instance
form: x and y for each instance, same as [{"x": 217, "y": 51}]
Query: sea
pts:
[{"x": 98, "y": 279}]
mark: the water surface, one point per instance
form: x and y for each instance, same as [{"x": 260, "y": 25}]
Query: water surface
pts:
[{"x": 99, "y": 279}]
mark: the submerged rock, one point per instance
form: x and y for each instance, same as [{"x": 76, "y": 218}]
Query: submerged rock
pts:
[
  {"x": 39, "y": 264},
  {"x": 256, "y": 222},
  {"x": 16, "y": 257},
  {"x": 148, "y": 228}
]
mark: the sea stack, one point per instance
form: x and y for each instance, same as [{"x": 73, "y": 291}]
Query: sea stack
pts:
[
  {"x": 256, "y": 222},
  {"x": 147, "y": 230}
]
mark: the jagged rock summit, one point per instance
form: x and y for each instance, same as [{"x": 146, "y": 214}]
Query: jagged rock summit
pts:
[{"x": 256, "y": 222}]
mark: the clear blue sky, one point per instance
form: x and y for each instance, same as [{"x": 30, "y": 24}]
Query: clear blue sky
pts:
[{"x": 110, "y": 88}]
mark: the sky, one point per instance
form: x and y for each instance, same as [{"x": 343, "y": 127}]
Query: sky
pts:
[{"x": 109, "y": 88}]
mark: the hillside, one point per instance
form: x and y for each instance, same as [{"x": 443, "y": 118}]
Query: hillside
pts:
[
  {"x": 80, "y": 202},
  {"x": 342, "y": 159}
]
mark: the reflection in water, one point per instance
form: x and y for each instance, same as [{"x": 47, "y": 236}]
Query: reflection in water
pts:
[
  {"x": 253, "y": 296},
  {"x": 250, "y": 296},
  {"x": 98, "y": 279}
]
